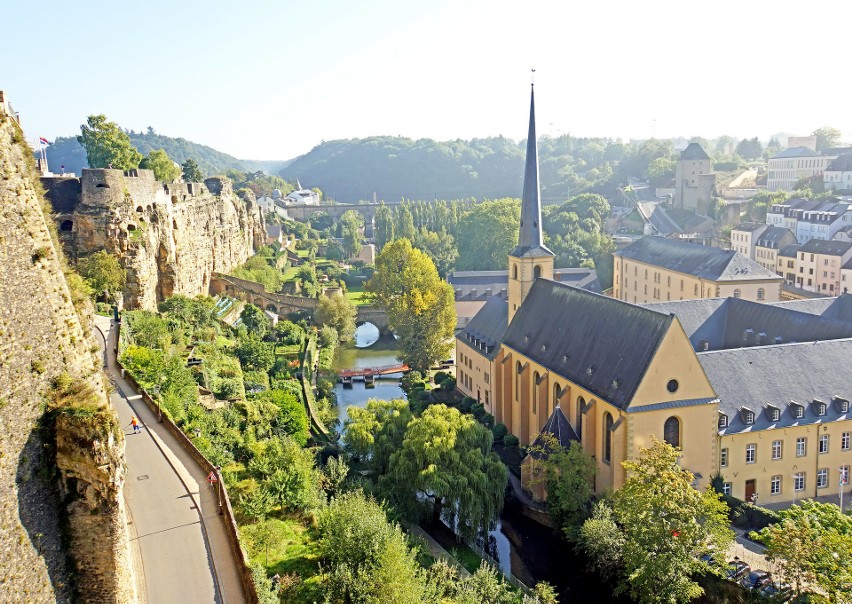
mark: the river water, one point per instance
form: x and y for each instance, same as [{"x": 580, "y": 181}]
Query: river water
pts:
[{"x": 523, "y": 547}]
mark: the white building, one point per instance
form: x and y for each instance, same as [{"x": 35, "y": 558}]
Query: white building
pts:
[
  {"x": 838, "y": 175},
  {"x": 811, "y": 219},
  {"x": 793, "y": 164}
]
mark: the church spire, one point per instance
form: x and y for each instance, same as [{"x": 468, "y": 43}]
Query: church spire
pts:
[{"x": 531, "y": 238}]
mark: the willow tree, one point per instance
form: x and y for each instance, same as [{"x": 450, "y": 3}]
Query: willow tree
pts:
[
  {"x": 374, "y": 432},
  {"x": 445, "y": 467},
  {"x": 420, "y": 306}
]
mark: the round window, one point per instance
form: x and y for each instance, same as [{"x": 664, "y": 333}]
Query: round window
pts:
[{"x": 672, "y": 386}]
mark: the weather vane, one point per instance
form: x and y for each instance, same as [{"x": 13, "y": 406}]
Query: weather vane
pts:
[{"x": 532, "y": 76}]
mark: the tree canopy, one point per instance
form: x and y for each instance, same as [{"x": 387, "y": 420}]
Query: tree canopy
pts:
[
  {"x": 490, "y": 232},
  {"x": 102, "y": 272},
  {"x": 190, "y": 171},
  {"x": 338, "y": 312},
  {"x": 420, "y": 306},
  {"x": 164, "y": 168},
  {"x": 107, "y": 145},
  {"x": 827, "y": 137}
]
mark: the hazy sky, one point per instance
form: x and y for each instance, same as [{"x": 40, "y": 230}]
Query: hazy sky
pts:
[{"x": 271, "y": 80}]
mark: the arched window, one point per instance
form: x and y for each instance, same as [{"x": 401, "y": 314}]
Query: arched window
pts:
[
  {"x": 515, "y": 272},
  {"x": 607, "y": 437},
  {"x": 737, "y": 293},
  {"x": 535, "y": 391},
  {"x": 579, "y": 424},
  {"x": 537, "y": 272},
  {"x": 555, "y": 395},
  {"x": 518, "y": 381},
  {"x": 671, "y": 431},
  {"x": 646, "y": 289},
  {"x": 761, "y": 293}
]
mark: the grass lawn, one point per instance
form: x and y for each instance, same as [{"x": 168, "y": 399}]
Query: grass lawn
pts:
[
  {"x": 290, "y": 273},
  {"x": 302, "y": 253},
  {"x": 288, "y": 350},
  {"x": 466, "y": 557},
  {"x": 357, "y": 295}
]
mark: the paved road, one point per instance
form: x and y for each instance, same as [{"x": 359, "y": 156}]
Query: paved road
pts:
[{"x": 183, "y": 556}]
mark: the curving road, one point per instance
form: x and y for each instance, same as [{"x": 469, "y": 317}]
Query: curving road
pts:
[{"x": 182, "y": 554}]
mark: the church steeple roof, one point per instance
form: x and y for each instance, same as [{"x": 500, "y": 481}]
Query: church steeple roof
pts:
[{"x": 531, "y": 237}]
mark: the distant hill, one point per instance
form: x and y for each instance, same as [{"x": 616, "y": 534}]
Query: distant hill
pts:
[
  {"x": 66, "y": 151},
  {"x": 395, "y": 167}
]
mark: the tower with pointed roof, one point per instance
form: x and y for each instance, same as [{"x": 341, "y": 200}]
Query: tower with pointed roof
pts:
[{"x": 531, "y": 259}]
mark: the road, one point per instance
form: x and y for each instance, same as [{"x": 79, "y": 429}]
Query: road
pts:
[{"x": 181, "y": 555}]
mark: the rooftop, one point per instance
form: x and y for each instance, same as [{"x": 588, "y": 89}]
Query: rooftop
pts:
[
  {"x": 749, "y": 227},
  {"x": 557, "y": 426},
  {"x": 485, "y": 331},
  {"x": 694, "y": 151},
  {"x": 772, "y": 236},
  {"x": 789, "y": 251},
  {"x": 481, "y": 285},
  {"x": 841, "y": 164},
  {"x": 796, "y": 152},
  {"x": 826, "y": 248},
  {"x": 701, "y": 261}
]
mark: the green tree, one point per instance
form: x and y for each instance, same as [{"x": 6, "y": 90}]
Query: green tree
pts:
[
  {"x": 826, "y": 137},
  {"x": 338, "y": 312},
  {"x": 568, "y": 474},
  {"x": 440, "y": 247},
  {"x": 288, "y": 472},
  {"x": 420, "y": 306},
  {"x": 368, "y": 557},
  {"x": 446, "y": 460},
  {"x": 255, "y": 354},
  {"x": 107, "y": 145},
  {"x": 374, "y": 432},
  {"x": 667, "y": 525},
  {"x": 266, "y": 535},
  {"x": 291, "y": 419},
  {"x": 384, "y": 229},
  {"x": 603, "y": 541},
  {"x": 750, "y": 148},
  {"x": 190, "y": 171},
  {"x": 812, "y": 544},
  {"x": 661, "y": 170},
  {"x": 165, "y": 170},
  {"x": 103, "y": 273},
  {"x": 255, "y": 320},
  {"x": 350, "y": 231},
  {"x": 487, "y": 233},
  {"x": 148, "y": 329}
]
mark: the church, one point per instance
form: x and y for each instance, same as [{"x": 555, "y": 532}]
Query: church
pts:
[{"x": 757, "y": 392}]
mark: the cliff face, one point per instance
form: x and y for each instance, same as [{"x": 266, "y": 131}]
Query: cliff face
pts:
[
  {"x": 70, "y": 451},
  {"x": 170, "y": 238}
]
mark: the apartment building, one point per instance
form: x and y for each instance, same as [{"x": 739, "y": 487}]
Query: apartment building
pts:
[
  {"x": 819, "y": 265},
  {"x": 791, "y": 165}
]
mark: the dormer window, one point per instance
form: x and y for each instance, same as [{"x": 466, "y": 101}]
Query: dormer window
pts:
[
  {"x": 841, "y": 404},
  {"x": 723, "y": 421},
  {"x": 820, "y": 407},
  {"x": 748, "y": 417},
  {"x": 798, "y": 411},
  {"x": 774, "y": 413}
]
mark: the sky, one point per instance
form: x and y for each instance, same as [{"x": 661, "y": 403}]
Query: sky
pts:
[{"x": 273, "y": 79}]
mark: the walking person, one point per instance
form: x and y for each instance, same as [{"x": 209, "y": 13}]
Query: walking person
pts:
[{"x": 134, "y": 421}]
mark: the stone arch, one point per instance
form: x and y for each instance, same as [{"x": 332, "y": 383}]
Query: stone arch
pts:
[
  {"x": 131, "y": 226},
  {"x": 272, "y": 308},
  {"x": 556, "y": 390},
  {"x": 537, "y": 271},
  {"x": 518, "y": 369},
  {"x": 66, "y": 226},
  {"x": 139, "y": 209}
]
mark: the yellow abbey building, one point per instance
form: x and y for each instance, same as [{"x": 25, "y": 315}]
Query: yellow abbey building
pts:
[{"x": 757, "y": 391}]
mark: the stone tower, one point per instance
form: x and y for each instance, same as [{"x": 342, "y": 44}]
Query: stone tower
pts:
[
  {"x": 694, "y": 180},
  {"x": 530, "y": 259}
]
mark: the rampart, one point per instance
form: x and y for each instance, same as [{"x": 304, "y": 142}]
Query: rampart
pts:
[{"x": 169, "y": 237}]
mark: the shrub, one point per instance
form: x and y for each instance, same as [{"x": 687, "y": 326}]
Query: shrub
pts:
[
  {"x": 499, "y": 431},
  {"x": 469, "y": 405},
  {"x": 511, "y": 441},
  {"x": 487, "y": 419},
  {"x": 440, "y": 377}
]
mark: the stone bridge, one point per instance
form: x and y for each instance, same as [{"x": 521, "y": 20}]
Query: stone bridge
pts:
[
  {"x": 367, "y": 210},
  {"x": 282, "y": 304}
]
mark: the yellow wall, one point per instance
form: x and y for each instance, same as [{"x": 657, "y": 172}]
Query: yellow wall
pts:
[
  {"x": 519, "y": 286},
  {"x": 738, "y": 471},
  {"x": 474, "y": 374}
]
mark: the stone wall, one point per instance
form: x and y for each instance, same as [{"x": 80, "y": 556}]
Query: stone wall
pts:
[
  {"x": 170, "y": 238},
  {"x": 41, "y": 339}
]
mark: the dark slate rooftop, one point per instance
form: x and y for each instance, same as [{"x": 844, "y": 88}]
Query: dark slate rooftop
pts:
[
  {"x": 559, "y": 428},
  {"x": 481, "y": 285},
  {"x": 485, "y": 331},
  {"x": 796, "y": 152},
  {"x": 753, "y": 378},
  {"x": 600, "y": 343},
  {"x": 772, "y": 236},
  {"x": 789, "y": 251},
  {"x": 841, "y": 164},
  {"x": 749, "y": 226},
  {"x": 698, "y": 260},
  {"x": 829, "y": 248},
  {"x": 694, "y": 151},
  {"x": 726, "y": 323}
]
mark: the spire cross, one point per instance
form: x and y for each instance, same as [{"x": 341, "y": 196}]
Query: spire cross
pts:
[{"x": 532, "y": 76}]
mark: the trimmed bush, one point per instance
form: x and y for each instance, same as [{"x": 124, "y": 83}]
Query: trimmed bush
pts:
[
  {"x": 499, "y": 431},
  {"x": 510, "y": 440}
]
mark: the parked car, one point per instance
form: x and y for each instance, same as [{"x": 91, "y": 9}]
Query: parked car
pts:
[
  {"x": 736, "y": 569},
  {"x": 775, "y": 588},
  {"x": 755, "y": 579}
]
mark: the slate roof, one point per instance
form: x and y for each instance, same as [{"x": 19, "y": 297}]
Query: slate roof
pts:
[
  {"x": 558, "y": 426},
  {"x": 725, "y": 323},
  {"x": 779, "y": 375},
  {"x": 694, "y": 151},
  {"x": 481, "y": 285},
  {"x": 826, "y": 247},
  {"x": 795, "y": 152},
  {"x": 602, "y": 344},
  {"x": 789, "y": 251},
  {"x": 749, "y": 226},
  {"x": 772, "y": 236},
  {"x": 841, "y": 164},
  {"x": 484, "y": 332},
  {"x": 700, "y": 261}
]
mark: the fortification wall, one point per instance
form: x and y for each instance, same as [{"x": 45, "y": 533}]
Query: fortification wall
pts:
[
  {"x": 50, "y": 459},
  {"x": 170, "y": 238}
]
